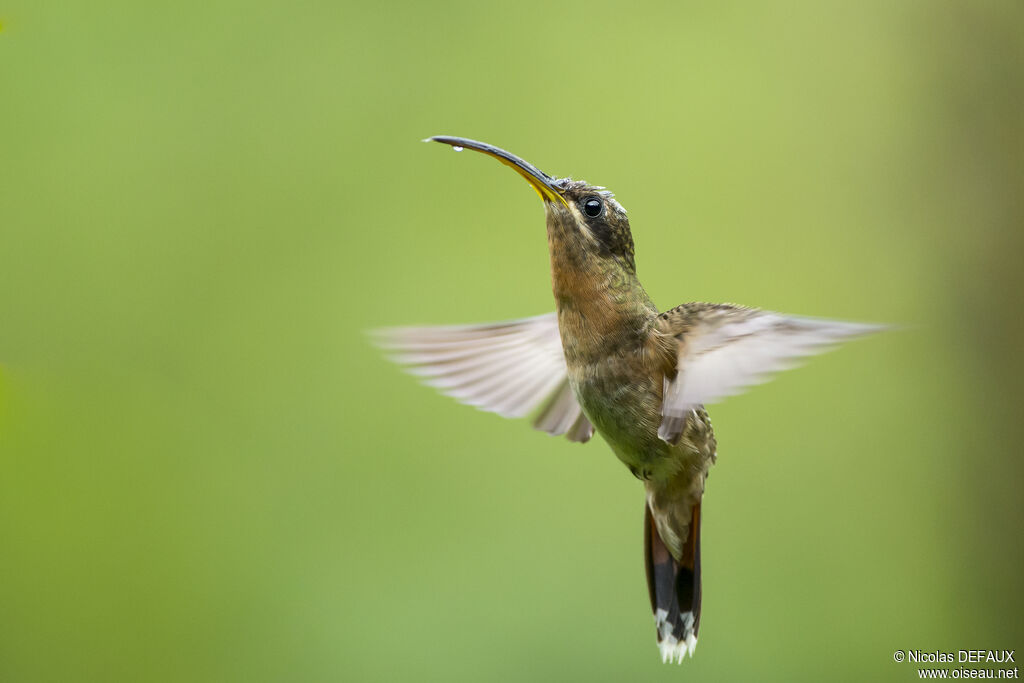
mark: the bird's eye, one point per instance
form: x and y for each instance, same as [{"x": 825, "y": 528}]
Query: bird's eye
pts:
[{"x": 592, "y": 207}]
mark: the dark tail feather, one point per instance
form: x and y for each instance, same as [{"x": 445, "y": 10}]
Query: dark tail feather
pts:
[{"x": 674, "y": 588}]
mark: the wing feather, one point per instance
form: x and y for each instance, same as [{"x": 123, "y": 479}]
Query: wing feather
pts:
[
  {"x": 723, "y": 350},
  {"x": 508, "y": 368}
]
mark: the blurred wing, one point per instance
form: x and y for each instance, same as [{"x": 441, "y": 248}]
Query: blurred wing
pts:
[
  {"x": 508, "y": 368},
  {"x": 725, "y": 350}
]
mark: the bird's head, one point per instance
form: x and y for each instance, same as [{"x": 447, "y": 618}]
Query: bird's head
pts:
[{"x": 585, "y": 220}]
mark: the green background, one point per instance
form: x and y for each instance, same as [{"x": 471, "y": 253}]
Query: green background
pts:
[{"x": 207, "y": 473}]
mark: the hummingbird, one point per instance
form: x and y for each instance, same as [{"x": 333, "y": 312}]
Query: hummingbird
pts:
[{"x": 607, "y": 360}]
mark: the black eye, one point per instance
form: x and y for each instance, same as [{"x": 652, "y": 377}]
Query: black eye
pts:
[{"x": 592, "y": 207}]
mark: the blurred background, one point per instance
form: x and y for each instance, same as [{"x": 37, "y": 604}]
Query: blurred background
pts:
[{"x": 207, "y": 473}]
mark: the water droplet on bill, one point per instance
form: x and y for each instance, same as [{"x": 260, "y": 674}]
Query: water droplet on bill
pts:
[{"x": 456, "y": 148}]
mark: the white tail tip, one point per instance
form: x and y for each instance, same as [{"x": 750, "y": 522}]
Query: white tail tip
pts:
[{"x": 673, "y": 650}]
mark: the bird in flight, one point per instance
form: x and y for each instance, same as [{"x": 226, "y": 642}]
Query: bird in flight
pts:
[{"x": 607, "y": 360}]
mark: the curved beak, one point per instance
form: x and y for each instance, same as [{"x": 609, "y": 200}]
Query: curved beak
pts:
[{"x": 541, "y": 182}]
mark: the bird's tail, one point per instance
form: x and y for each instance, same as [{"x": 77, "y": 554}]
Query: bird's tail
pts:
[{"x": 675, "y": 588}]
